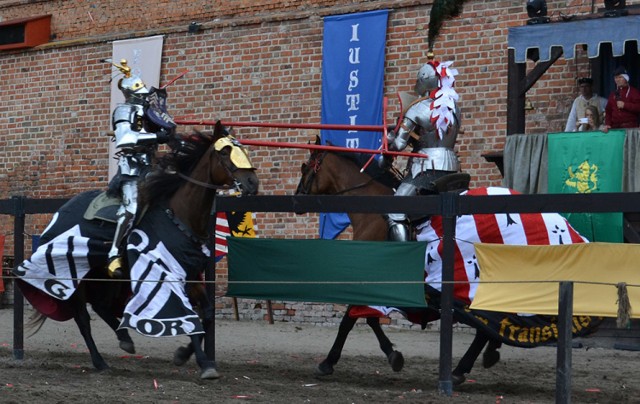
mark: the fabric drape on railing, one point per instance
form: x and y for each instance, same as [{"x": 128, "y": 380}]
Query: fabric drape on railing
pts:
[
  {"x": 328, "y": 271},
  {"x": 524, "y": 279},
  {"x": 525, "y": 163}
]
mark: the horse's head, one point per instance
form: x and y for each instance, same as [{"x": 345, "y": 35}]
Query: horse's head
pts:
[
  {"x": 312, "y": 182},
  {"x": 230, "y": 164}
]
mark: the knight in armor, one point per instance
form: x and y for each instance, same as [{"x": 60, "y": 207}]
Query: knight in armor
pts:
[
  {"x": 140, "y": 124},
  {"x": 430, "y": 126}
]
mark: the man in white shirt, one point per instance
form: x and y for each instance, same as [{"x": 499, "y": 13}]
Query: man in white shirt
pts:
[{"x": 586, "y": 98}]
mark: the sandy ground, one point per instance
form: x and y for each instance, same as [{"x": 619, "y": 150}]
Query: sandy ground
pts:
[{"x": 267, "y": 363}]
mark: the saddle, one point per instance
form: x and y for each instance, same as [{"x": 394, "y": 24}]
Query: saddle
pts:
[
  {"x": 452, "y": 182},
  {"x": 103, "y": 207}
]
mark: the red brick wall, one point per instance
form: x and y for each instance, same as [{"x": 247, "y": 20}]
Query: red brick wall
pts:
[{"x": 254, "y": 61}]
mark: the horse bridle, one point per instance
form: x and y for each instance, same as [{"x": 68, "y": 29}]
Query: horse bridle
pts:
[
  {"x": 314, "y": 163},
  {"x": 238, "y": 154}
]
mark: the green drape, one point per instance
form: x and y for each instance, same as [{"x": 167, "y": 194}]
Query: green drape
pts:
[
  {"x": 328, "y": 271},
  {"x": 586, "y": 162}
]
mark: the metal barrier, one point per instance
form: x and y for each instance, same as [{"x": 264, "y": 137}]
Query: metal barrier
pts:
[{"x": 448, "y": 205}]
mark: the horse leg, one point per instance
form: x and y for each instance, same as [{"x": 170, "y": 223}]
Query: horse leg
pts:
[
  {"x": 395, "y": 358},
  {"x": 491, "y": 356},
  {"x": 466, "y": 363},
  {"x": 126, "y": 343},
  {"x": 82, "y": 319},
  {"x": 208, "y": 367},
  {"x": 182, "y": 354},
  {"x": 325, "y": 368}
]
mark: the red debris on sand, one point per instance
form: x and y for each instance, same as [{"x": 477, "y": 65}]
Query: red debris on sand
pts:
[{"x": 593, "y": 390}]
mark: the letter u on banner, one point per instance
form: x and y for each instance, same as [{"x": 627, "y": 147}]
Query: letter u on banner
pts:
[{"x": 353, "y": 52}]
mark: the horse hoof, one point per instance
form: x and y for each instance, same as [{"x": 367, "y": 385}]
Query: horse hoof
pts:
[
  {"x": 396, "y": 360},
  {"x": 128, "y": 347},
  {"x": 209, "y": 374},
  {"x": 490, "y": 358},
  {"x": 458, "y": 379},
  {"x": 181, "y": 356},
  {"x": 102, "y": 367},
  {"x": 324, "y": 369}
]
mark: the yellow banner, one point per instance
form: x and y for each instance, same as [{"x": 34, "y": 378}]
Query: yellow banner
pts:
[{"x": 529, "y": 271}]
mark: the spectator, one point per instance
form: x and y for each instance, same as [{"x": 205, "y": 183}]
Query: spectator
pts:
[
  {"x": 623, "y": 105},
  {"x": 586, "y": 98},
  {"x": 591, "y": 120}
]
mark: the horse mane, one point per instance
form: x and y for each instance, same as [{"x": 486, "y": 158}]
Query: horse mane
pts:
[{"x": 185, "y": 152}]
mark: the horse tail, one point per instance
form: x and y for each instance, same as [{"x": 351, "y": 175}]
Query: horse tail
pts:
[{"x": 36, "y": 320}]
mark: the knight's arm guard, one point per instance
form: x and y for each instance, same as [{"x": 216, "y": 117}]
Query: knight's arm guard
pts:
[
  {"x": 402, "y": 137},
  {"x": 127, "y": 130}
]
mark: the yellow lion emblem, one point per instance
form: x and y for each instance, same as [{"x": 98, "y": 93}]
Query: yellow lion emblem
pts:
[{"x": 584, "y": 179}]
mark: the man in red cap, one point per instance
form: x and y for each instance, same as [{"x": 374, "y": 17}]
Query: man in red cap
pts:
[{"x": 623, "y": 105}]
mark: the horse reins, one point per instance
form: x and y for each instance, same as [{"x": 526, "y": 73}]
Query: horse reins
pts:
[{"x": 212, "y": 186}]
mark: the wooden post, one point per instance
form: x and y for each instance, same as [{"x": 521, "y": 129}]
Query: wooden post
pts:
[{"x": 565, "y": 324}]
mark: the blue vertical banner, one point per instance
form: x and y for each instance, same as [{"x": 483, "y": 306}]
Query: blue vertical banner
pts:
[{"x": 353, "y": 51}]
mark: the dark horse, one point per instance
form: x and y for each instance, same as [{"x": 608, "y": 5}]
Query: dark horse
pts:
[
  {"x": 167, "y": 249},
  {"x": 339, "y": 173}
]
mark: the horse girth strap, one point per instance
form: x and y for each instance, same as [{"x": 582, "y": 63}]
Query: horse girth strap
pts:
[{"x": 199, "y": 240}]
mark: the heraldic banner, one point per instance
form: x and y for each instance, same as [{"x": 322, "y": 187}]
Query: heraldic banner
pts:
[
  {"x": 586, "y": 162},
  {"x": 353, "y": 52}
]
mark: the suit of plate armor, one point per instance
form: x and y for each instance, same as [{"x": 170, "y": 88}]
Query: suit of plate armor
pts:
[
  {"x": 140, "y": 124},
  {"x": 421, "y": 128}
]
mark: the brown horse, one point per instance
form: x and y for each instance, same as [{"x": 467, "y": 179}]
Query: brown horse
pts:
[
  {"x": 178, "y": 196},
  {"x": 339, "y": 173}
]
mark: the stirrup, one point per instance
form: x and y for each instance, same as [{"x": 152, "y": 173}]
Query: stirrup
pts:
[{"x": 114, "y": 269}]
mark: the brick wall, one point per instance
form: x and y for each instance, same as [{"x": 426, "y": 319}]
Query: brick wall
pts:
[{"x": 253, "y": 61}]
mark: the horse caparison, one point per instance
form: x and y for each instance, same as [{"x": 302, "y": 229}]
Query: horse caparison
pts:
[
  {"x": 185, "y": 180},
  {"x": 332, "y": 173}
]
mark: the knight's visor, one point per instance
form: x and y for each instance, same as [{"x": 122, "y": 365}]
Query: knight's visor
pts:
[{"x": 239, "y": 155}]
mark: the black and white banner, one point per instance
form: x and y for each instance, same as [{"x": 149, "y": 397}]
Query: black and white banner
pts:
[{"x": 162, "y": 258}]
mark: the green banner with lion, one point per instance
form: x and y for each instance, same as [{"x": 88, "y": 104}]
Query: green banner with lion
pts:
[{"x": 586, "y": 162}]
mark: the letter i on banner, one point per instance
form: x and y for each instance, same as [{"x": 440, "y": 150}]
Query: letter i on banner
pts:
[{"x": 353, "y": 52}]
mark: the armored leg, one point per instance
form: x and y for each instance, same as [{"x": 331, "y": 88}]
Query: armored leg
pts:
[
  {"x": 398, "y": 223},
  {"x": 125, "y": 215}
]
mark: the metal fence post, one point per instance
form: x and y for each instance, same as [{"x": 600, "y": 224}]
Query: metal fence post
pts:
[
  {"x": 449, "y": 202},
  {"x": 210, "y": 289},
  {"x": 18, "y": 300}
]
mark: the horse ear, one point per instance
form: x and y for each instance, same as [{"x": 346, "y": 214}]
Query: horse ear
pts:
[
  {"x": 219, "y": 130},
  {"x": 318, "y": 142}
]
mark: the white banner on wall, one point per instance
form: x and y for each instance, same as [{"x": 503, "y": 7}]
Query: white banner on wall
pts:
[{"x": 144, "y": 55}]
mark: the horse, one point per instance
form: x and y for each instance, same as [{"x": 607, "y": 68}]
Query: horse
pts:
[
  {"x": 332, "y": 173},
  {"x": 167, "y": 248}
]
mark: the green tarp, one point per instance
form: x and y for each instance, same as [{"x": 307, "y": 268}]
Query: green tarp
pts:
[
  {"x": 586, "y": 162},
  {"x": 328, "y": 271}
]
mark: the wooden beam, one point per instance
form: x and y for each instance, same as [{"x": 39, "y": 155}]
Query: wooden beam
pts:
[{"x": 518, "y": 83}]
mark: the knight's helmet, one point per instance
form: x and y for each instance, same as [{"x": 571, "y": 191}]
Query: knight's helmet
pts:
[
  {"x": 427, "y": 80},
  {"x": 131, "y": 85}
]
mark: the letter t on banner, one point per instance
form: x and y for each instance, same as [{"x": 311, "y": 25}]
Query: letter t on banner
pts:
[{"x": 353, "y": 51}]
